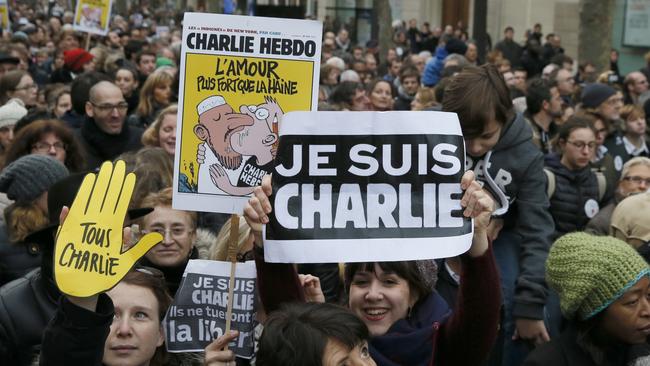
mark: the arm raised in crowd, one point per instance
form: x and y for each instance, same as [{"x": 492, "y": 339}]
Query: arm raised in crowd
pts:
[
  {"x": 277, "y": 282},
  {"x": 474, "y": 323}
]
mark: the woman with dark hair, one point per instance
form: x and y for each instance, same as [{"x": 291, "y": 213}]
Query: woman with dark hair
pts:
[
  {"x": 408, "y": 321},
  {"x": 350, "y": 96},
  {"x": 575, "y": 192},
  {"x": 304, "y": 334},
  {"x": 156, "y": 94},
  {"x": 604, "y": 290},
  {"x": 381, "y": 95},
  {"x": 126, "y": 78},
  {"x": 47, "y": 137},
  {"x": 18, "y": 84},
  {"x": 120, "y": 327}
]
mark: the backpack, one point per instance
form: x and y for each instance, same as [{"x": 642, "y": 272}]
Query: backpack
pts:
[{"x": 602, "y": 184}]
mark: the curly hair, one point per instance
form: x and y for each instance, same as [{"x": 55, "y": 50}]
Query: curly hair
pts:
[{"x": 33, "y": 132}]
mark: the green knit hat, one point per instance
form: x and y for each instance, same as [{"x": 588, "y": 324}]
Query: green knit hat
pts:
[{"x": 591, "y": 272}]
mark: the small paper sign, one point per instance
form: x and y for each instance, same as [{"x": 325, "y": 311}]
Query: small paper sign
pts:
[{"x": 198, "y": 314}]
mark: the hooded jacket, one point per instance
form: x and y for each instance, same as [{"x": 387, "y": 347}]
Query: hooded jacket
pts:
[{"x": 516, "y": 166}]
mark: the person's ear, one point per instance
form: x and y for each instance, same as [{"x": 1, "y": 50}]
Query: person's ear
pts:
[
  {"x": 161, "y": 336},
  {"x": 201, "y": 132},
  {"x": 546, "y": 105},
  {"x": 90, "y": 112}
]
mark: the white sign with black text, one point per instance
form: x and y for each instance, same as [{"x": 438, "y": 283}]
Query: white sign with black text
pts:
[{"x": 367, "y": 186}]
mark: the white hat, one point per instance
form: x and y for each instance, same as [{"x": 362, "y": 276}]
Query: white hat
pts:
[
  {"x": 11, "y": 112},
  {"x": 209, "y": 103}
]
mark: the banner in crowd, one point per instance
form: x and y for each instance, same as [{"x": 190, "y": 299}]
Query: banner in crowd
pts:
[
  {"x": 4, "y": 16},
  {"x": 238, "y": 76},
  {"x": 198, "y": 314},
  {"x": 92, "y": 16},
  {"x": 367, "y": 186}
]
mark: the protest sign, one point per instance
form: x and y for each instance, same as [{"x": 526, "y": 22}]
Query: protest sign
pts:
[
  {"x": 88, "y": 255},
  {"x": 92, "y": 16},
  {"x": 367, "y": 186},
  {"x": 4, "y": 16},
  {"x": 198, "y": 314},
  {"x": 238, "y": 76}
]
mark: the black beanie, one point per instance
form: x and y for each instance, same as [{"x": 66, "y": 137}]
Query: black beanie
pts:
[
  {"x": 456, "y": 46},
  {"x": 595, "y": 94},
  {"x": 27, "y": 178}
]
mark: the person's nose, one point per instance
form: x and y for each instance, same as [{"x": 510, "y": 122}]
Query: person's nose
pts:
[
  {"x": 645, "y": 307},
  {"x": 123, "y": 327},
  {"x": 115, "y": 112},
  {"x": 473, "y": 147},
  {"x": 375, "y": 292},
  {"x": 51, "y": 150},
  {"x": 167, "y": 237}
]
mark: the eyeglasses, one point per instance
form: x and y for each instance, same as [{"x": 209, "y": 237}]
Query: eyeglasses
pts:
[
  {"x": 105, "y": 108},
  {"x": 638, "y": 180},
  {"x": 179, "y": 232},
  {"x": 30, "y": 86},
  {"x": 581, "y": 144},
  {"x": 43, "y": 147}
]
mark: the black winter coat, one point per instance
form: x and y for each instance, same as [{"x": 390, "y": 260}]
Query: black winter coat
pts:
[
  {"x": 565, "y": 351},
  {"x": 16, "y": 259},
  {"x": 100, "y": 146},
  {"x": 576, "y": 193},
  {"x": 26, "y": 307}
]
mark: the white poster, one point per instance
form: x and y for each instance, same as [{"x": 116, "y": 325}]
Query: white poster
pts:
[
  {"x": 367, "y": 186},
  {"x": 636, "y": 30},
  {"x": 238, "y": 76}
]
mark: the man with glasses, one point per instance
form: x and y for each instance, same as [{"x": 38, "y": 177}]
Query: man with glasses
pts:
[
  {"x": 635, "y": 178},
  {"x": 103, "y": 133}
]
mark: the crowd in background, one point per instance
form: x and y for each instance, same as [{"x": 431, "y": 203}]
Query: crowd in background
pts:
[{"x": 565, "y": 143}]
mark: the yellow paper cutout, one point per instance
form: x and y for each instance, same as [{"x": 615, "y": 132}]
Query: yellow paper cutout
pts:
[{"x": 88, "y": 257}]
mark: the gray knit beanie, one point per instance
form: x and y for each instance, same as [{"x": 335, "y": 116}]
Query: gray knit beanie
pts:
[{"x": 28, "y": 177}]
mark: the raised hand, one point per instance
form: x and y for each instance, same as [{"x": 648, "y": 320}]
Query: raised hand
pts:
[
  {"x": 257, "y": 209},
  {"x": 88, "y": 257},
  {"x": 215, "y": 355}
]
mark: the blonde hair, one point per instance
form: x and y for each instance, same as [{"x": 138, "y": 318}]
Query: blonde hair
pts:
[
  {"x": 163, "y": 198},
  {"x": 631, "y": 112},
  {"x": 219, "y": 250},
  {"x": 427, "y": 96},
  {"x": 23, "y": 219},
  {"x": 151, "y": 136},
  {"x": 146, "y": 102}
]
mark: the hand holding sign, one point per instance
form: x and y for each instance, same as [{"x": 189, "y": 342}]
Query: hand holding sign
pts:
[
  {"x": 88, "y": 257},
  {"x": 257, "y": 208},
  {"x": 479, "y": 205}
]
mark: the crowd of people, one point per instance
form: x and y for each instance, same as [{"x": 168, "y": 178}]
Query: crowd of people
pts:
[{"x": 557, "y": 272}]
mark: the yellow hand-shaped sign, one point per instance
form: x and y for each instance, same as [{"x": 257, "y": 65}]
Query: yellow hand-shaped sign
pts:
[{"x": 88, "y": 258}]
